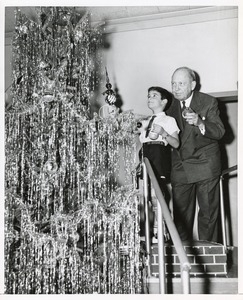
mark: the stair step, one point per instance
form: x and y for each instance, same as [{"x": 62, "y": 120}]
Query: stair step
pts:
[
  {"x": 206, "y": 259},
  {"x": 198, "y": 285}
]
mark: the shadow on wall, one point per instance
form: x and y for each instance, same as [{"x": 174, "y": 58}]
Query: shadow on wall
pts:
[
  {"x": 198, "y": 85},
  {"x": 98, "y": 71},
  {"x": 227, "y": 139},
  {"x": 119, "y": 101},
  {"x": 229, "y": 135}
]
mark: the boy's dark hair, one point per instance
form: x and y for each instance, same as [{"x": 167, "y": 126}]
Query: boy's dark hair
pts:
[{"x": 164, "y": 94}]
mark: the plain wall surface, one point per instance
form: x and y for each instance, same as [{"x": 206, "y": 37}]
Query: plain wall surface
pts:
[{"x": 137, "y": 59}]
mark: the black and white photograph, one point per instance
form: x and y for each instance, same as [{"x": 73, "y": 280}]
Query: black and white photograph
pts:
[{"x": 120, "y": 144}]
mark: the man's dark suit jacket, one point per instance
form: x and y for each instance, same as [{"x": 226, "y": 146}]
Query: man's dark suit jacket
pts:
[{"x": 198, "y": 156}]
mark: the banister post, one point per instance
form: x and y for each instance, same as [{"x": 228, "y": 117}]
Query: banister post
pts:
[
  {"x": 185, "y": 265},
  {"x": 161, "y": 250},
  {"x": 185, "y": 278},
  {"x": 222, "y": 212},
  {"x": 146, "y": 211}
]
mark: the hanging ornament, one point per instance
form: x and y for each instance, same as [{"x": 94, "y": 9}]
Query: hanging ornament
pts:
[
  {"x": 50, "y": 167},
  {"x": 78, "y": 34},
  {"x": 63, "y": 17},
  {"x": 107, "y": 111},
  {"x": 110, "y": 94},
  {"x": 23, "y": 29}
]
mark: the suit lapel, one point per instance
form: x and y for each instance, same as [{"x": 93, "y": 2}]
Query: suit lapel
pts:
[
  {"x": 175, "y": 111},
  {"x": 196, "y": 104}
]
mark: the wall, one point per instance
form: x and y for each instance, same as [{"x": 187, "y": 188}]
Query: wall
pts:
[
  {"x": 142, "y": 55},
  {"x": 141, "y": 58}
]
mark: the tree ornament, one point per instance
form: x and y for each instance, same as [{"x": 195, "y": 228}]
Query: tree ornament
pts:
[
  {"x": 107, "y": 111},
  {"x": 110, "y": 94}
]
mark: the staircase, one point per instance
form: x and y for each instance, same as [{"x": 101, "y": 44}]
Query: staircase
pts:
[
  {"x": 214, "y": 267},
  {"x": 213, "y": 271}
]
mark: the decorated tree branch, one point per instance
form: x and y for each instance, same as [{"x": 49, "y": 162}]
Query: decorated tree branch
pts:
[{"x": 70, "y": 225}]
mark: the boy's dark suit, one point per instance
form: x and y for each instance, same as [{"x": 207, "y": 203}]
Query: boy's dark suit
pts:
[{"x": 197, "y": 163}]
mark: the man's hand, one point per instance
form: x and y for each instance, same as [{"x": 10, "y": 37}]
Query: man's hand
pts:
[{"x": 193, "y": 119}]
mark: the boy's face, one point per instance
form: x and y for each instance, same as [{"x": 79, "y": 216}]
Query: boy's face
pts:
[{"x": 154, "y": 100}]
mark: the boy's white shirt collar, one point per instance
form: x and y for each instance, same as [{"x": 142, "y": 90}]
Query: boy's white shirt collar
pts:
[{"x": 162, "y": 113}]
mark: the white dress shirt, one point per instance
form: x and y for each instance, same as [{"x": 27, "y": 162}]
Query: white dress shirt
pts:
[{"x": 168, "y": 123}]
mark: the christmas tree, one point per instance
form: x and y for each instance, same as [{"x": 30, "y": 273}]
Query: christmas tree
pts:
[{"x": 70, "y": 227}]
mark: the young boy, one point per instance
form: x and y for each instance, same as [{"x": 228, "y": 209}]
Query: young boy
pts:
[{"x": 156, "y": 134}]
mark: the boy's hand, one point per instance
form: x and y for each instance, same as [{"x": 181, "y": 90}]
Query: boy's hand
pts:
[{"x": 158, "y": 129}]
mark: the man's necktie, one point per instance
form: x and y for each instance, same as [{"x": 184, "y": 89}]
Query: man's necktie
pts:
[
  {"x": 149, "y": 125},
  {"x": 183, "y": 105}
]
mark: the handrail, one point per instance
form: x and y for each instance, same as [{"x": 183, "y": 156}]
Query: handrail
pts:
[
  {"x": 185, "y": 265},
  {"x": 231, "y": 169},
  {"x": 146, "y": 211},
  {"x": 222, "y": 211}
]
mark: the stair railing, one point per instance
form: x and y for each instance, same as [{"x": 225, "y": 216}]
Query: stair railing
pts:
[
  {"x": 222, "y": 211},
  {"x": 163, "y": 213}
]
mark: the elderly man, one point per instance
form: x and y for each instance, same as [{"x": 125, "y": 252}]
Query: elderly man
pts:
[{"x": 196, "y": 164}]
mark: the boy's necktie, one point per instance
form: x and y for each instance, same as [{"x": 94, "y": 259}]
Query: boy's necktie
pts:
[{"x": 149, "y": 125}]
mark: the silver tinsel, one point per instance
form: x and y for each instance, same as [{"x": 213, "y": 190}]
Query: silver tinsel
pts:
[{"x": 70, "y": 226}]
